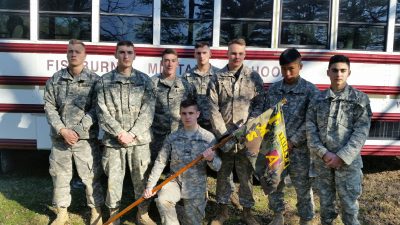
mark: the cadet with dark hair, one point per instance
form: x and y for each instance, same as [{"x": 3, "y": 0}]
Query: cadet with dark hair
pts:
[
  {"x": 298, "y": 93},
  {"x": 70, "y": 106},
  {"x": 180, "y": 148},
  {"x": 338, "y": 122},
  {"x": 125, "y": 110},
  {"x": 232, "y": 92},
  {"x": 199, "y": 77},
  {"x": 170, "y": 90}
]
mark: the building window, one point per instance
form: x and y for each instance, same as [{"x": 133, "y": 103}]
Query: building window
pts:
[
  {"x": 126, "y": 20},
  {"x": 63, "y": 20},
  {"x": 305, "y": 23},
  {"x": 14, "y": 19},
  {"x": 397, "y": 29},
  {"x": 248, "y": 19},
  {"x": 362, "y": 24},
  {"x": 184, "y": 22}
]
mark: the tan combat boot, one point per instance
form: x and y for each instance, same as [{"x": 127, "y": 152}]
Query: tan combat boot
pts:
[
  {"x": 235, "y": 201},
  {"x": 142, "y": 216},
  {"x": 278, "y": 219},
  {"x": 113, "y": 212},
  {"x": 222, "y": 215},
  {"x": 248, "y": 217},
  {"x": 95, "y": 216},
  {"x": 62, "y": 217}
]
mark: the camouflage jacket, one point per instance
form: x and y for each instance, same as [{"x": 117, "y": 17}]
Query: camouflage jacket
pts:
[
  {"x": 125, "y": 104},
  {"x": 70, "y": 102},
  {"x": 200, "y": 83},
  {"x": 232, "y": 100},
  {"x": 339, "y": 124},
  {"x": 181, "y": 150},
  {"x": 298, "y": 98},
  {"x": 168, "y": 100}
]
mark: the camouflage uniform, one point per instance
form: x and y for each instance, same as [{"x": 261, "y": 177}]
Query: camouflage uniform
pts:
[
  {"x": 169, "y": 95},
  {"x": 182, "y": 147},
  {"x": 298, "y": 97},
  {"x": 125, "y": 104},
  {"x": 200, "y": 82},
  {"x": 230, "y": 100},
  {"x": 339, "y": 123},
  {"x": 70, "y": 102}
]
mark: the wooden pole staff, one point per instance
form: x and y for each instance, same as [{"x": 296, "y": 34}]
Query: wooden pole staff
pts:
[{"x": 173, "y": 176}]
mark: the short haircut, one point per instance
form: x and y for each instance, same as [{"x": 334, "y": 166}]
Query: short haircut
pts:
[
  {"x": 169, "y": 51},
  {"x": 189, "y": 102},
  {"x": 77, "y": 42},
  {"x": 239, "y": 41},
  {"x": 201, "y": 44},
  {"x": 290, "y": 55},
  {"x": 125, "y": 43},
  {"x": 339, "y": 59}
]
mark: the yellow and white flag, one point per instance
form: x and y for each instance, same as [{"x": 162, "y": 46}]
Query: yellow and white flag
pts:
[{"x": 267, "y": 146}]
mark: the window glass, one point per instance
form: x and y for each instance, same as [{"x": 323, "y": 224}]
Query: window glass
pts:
[
  {"x": 64, "y": 27},
  {"x": 185, "y": 22},
  {"x": 117, "y": 28},
  {"x": 255, "y": 33},
  {"x": 363, "y": 24},
  {"x": 14, "y": 25},
  {"x": 396, "y": 43},
  {"x": 190, "y": 9},
  {"x": 66, "y": 5},
  {"x": 247, "y": 9},
  {"x": 304, "y": 34},
  {"x": 141, "y": 7},
  {"x": 14, "y": 4},
  {"x": 305, "y": 24},
  {"x": 63, "y": 20},
  {"x": 185, "y": 32},
  {"x": 14, "y": 19},
  {"x": 363, "y": 37},
  {"x": 126, "y": 20},
  {"x": 363, "y": 11},
  {"x": 247, "y": 19}
]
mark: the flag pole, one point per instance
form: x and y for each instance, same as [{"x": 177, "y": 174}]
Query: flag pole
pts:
[{"x": 173, "y": 176}]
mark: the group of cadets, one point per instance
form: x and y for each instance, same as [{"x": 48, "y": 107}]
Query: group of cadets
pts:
[{"x": 150, "y": 123}]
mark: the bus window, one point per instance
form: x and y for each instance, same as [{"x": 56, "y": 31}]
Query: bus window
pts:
[
  {"x": 248, "y": 19},
  {"x": 305, "y": 23},
  {"x": 14, "y": 19},
  {"x": 126, "y": 20},
  {"x": 185, "y": 22},
  {"x": 396, "y": 46},
  {"x": 63, "y": 20},
  {"x": 362, "y": 24}
]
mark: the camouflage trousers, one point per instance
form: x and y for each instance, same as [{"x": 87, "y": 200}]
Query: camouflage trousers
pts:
[
  {"x": 298, "y": 170},
  {"x": 244, "y": 171},
  {"x": 346, "y": 182},
  {"x": 114, "y": 163},
  {"x": 86, "y": 156},
  {"x": 193, "y": 209}
]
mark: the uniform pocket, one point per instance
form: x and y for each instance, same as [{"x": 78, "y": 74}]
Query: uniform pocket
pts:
[{"x": 136, "y": 96}]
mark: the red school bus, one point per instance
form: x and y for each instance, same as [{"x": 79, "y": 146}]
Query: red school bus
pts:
[{"x": 34, "y": 35}]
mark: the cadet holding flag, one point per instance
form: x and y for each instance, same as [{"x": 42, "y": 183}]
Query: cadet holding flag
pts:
[
  {"x": 231, "y": 92},
  {"x": 298, "y": 92},
  {"x": 180, "y": 148},
  {"x": 338, "y": 122},
  {"x": 125, "y": 110}
]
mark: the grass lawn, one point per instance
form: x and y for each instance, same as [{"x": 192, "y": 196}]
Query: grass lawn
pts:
[{"x": 25, "y": 198}]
